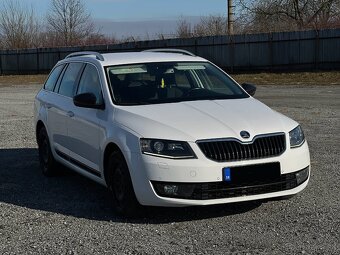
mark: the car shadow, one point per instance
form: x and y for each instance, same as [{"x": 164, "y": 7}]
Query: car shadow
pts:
[{"x": 22, "y": 184}]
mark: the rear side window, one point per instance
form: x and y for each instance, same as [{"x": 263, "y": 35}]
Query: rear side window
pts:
[
  {"x": 52, "y": 79},
  {"x": 68, "y": 83},
  {"x": 90, "y": 83}
]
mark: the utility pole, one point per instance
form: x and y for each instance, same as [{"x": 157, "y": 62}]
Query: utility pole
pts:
[{"x": 230, "y": 17}]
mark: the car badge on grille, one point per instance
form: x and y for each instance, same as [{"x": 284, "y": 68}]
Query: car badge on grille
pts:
[{"x": 244, "y": 134}]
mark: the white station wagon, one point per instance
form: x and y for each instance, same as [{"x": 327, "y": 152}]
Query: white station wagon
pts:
[{"x": 164, "y": 127}]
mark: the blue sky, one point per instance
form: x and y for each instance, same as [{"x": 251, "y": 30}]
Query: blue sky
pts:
[
  {"x": 133, "y": 10},
  {"x": 124, "y": 18}
]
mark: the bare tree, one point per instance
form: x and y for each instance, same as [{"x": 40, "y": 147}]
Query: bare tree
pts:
[
  {"x": 207, "y": 26},
  {"x": 71, "y": 21},
  {"x": 18, "y": 25},
  {"x": 100, "y": 39},
  {"x": 279, "y": 15},
  {"x": 211, "y": 25},
  {"x": 183, "y": 29}
]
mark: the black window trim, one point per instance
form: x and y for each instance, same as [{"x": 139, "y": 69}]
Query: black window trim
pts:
[
  {"x": 60, "y": 73},
  {"x": 76, "y": 82},
  {"x": 100, "y": 80},
  {"x": 61, "y": 76}
]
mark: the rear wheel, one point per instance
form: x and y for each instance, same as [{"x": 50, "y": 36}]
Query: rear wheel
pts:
[
  {"x": 120, "y": 187},
  {"x": 48, "y": 164}
]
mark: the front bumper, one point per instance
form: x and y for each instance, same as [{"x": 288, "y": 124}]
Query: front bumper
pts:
[
  {"x": 224, "y": 189},
  {"x": 205, "y": 177}
]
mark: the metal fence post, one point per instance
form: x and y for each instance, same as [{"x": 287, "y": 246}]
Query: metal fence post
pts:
[
  {"x": 317, "y": 50},
  {"x": 271, "y": 53},
  {"x": 38, "y": 66},
  {"x": 17, "y": 57},
  {"x": 232, "y": 53},
  {"x": 1, "y": 54}
]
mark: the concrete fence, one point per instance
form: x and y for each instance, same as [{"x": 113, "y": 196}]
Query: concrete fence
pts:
[{"x": 286, "y": 51}]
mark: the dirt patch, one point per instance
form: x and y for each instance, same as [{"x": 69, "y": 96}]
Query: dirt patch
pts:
[
  {"x": 22, "y": 79},
  {"x": 301, "y": 78}
]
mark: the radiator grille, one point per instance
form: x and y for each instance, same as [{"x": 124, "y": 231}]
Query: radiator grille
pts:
[{"x": 233, "y": 150}]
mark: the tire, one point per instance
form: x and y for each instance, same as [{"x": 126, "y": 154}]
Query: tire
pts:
[
  {"x": 48, "y": 164},
  {"x": 120, "y": 187}
]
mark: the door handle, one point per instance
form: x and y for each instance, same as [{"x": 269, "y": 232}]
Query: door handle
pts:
[
  {"x": 70, "y": 114},
  {"x": 48, "y": 106}
]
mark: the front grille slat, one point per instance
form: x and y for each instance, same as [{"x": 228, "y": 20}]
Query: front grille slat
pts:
[
  {"x": 231, "y": 153},
  {"x": 233, "y": 150},
  {"x": 275, "y": 145},
  {"x": 264, "y": 147},
  {"x": 236, "y": 151},
  {"x": 224, "y": 150},
  {"x": 239, "y": 149},
  {"x": 270, "y": 146},
  {"x": 227, "y": 153},
  {"x": 210, "y": 150},
  {"x": 220, "y": 149},
  {"x": 257, "y": 153},
  {"x": 261, "y": 149},
  {"x": 281, "y": 142}
]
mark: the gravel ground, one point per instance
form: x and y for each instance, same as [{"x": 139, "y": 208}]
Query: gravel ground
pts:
[{"x": 69, "y": 214}]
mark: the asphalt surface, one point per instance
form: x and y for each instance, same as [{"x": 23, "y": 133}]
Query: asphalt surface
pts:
[{"x": 69, "y": 214}]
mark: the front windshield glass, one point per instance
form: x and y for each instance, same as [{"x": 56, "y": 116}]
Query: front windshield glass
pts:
[{"x": 156, "y": 83}]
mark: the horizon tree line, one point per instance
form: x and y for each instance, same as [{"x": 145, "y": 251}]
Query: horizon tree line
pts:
[{"x": 69, "y": 23}]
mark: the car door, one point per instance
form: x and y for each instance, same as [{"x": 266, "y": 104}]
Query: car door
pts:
[
  {"x": 84, "y": 127},
  {"x": 59, "y": 108}
]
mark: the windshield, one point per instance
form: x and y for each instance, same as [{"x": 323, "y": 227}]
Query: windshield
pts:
[{"x": 155, "y": 83}]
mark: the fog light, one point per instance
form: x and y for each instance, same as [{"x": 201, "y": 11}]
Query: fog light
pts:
[
  {"x": 170, "y": 189},
  {"x": 302, "y": 175},
  {"x": 175, "y": 190}
]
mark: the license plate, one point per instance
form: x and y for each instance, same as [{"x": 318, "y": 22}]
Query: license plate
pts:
[{"x": 226, "y": 174}]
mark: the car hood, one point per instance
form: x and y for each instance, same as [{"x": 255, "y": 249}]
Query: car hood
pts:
[{"x": 205, "y": 119}]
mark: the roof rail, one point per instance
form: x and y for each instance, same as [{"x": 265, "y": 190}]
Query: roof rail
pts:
[
  {"x": 86, "y": 53},
  {"x": 184, "y": 52}
]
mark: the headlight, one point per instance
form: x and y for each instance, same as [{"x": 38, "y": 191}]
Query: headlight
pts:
[
  {"x": 296, "y": 137},
  {"x": 166, "y": 148}
]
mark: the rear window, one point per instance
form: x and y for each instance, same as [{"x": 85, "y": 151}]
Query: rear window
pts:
[{"x": 52, "y": 79}]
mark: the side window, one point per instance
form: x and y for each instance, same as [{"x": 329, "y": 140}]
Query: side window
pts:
[
  {"x": 68, "y": 83},
  {"x": 52, "y": 79},
  {"x": 90, "y": 83}
]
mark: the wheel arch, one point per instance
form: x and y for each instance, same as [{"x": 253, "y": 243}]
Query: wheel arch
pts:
[
  {"x": 39, "y": 126},
  {"x": 110, "y": 147}
]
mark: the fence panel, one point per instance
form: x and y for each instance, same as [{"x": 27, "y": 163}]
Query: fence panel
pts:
[{"x": 286, "y": 51}]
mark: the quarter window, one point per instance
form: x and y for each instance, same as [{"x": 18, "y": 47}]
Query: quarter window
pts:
[
  {"x": 52, "y": 79},
  {"x": 68, "y": 83}
]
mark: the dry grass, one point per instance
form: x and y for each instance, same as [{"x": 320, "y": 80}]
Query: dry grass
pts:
[
  {"x": 301, "y": 78},
  {"x": 22, "y": 79}
]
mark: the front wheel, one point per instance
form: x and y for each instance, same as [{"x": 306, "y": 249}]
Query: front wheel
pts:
[
  {"x": 48, "y": 164},
  {"x": 120, "y": 187}
]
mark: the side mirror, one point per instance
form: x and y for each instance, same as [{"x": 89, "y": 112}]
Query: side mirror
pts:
[
  {"x": 250, "y": 88},
  {"x": 87, "y": 100}
]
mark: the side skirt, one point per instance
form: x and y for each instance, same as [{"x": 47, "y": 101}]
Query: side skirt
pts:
[{"x": 78, "y": 164}]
